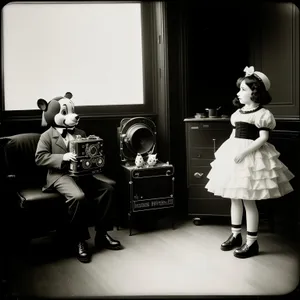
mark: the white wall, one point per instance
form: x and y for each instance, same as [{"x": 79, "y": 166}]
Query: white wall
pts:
[{"x": 92, "y": 50}]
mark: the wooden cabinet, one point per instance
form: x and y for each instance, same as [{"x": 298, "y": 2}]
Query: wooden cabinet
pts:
[{"x": 203, "y": 138}]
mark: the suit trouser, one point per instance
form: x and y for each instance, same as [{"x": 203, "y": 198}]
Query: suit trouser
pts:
[{"x": 87, "y": 199}]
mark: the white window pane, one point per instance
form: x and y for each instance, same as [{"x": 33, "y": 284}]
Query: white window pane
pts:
[{"x": 92, "y": 50}]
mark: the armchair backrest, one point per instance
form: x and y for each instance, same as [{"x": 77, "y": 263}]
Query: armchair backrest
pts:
[{"x": 19, "y": 156}]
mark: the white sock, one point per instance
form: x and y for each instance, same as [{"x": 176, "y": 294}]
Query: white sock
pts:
[
  {"x": 236, "y": 212},
  {"x": 236, "y": 216},
  {"x": 251, "y": 238},
  {"x": 252, "y": 217},
  {"x": 236, "y": 229}
]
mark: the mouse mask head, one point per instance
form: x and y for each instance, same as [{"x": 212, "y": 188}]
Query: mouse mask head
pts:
[{"x": 59, "y": 112}]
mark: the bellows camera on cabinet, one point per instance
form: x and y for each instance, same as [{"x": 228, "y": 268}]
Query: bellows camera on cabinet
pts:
[{"x": 90, "y": 156}]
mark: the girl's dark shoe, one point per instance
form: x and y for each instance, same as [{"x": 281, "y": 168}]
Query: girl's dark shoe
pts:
[
  {"x": 232, "y": 242},
  {"x": 246, "y": 251}
]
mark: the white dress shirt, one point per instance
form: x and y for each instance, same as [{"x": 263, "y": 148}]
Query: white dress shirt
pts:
[{"x": 69, "y": 137}]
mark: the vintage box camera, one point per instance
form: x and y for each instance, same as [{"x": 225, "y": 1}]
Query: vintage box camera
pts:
[{"x": 90, "y": 156}]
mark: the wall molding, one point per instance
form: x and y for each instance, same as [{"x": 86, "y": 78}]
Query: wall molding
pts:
[{"x": 278, "y": 22}]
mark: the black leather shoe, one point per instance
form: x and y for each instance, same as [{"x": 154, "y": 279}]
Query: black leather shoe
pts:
[
  {"x": 246, "y": 251},
  {"x": 83, "y": 254},
  {"x": 107, "y": 242},
  {"x": 232, "y": 242}
]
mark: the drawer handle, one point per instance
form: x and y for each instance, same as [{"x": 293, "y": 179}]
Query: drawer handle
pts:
[
  {"x": 214, "y": 144},
  {"x": 198, "y": 155},
  {"x": 198, "y": 175}
]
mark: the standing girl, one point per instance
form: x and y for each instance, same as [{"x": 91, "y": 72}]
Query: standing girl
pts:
[{"x": 246, "y": 167}]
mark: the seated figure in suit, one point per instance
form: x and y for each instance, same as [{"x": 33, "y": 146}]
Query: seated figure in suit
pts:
[{"x": 85, "y": 196}]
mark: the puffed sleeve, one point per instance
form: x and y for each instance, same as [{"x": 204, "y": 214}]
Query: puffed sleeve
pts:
[{"x": 265, "y": 121}]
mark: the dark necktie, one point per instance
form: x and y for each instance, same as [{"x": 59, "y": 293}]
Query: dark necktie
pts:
[{"x": 67, "y": 130}]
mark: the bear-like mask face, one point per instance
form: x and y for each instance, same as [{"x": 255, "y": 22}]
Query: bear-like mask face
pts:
[
  {"x": 66, "y": 116},
  {"x": 59, "y": 112}
]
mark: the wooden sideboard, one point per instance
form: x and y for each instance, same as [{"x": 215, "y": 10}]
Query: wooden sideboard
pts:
[{"x": 203, "y": 138}]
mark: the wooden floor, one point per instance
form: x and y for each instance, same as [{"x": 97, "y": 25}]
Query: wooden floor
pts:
[{"x": 185, "y": 261}]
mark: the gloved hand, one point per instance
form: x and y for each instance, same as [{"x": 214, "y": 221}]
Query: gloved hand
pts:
[{"x": 69, "y": 156}]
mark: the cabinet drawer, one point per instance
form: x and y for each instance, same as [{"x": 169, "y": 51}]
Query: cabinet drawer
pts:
[
  {"x": 202, "y": 153},
  {"x": 209, "y": 125},
  {"x": 199, "y": 191},
  {"x": 207, "y": 138},
  {"x": 209, "y": 207},
  {"x": 197, "y": 174},
  {"x": 200, "y": 162}
]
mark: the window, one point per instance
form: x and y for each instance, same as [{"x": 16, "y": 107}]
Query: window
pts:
[{"x": 96, "y": 51}]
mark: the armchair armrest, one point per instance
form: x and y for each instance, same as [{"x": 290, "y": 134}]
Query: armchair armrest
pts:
[{"x": 11, "y": 183}]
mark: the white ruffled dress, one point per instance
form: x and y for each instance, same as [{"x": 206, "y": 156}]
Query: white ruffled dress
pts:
[{"x": 260, "y": 175}]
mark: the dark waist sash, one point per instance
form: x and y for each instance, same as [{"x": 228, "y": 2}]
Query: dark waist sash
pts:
[{"x": 245, "y": 130}]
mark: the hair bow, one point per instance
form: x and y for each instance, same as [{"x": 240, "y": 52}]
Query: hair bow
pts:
[{"x": 249, "y": 71}]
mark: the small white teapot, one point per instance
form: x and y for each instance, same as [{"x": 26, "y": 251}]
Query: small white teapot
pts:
[
  {"x": 152, "y": 160},
  {"x": 139, "y": 161}
]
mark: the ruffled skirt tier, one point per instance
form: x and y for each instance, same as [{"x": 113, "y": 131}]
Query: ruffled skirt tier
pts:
[{"x": 260, "y": 175}]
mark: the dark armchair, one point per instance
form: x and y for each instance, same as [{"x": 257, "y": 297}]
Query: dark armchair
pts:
[{"x": 34, "y": 213}]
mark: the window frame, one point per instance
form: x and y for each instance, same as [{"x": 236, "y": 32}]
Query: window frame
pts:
[{"x": 152, "y": 60}]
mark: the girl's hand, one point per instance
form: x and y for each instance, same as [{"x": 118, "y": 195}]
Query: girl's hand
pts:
[{"x": 240, "y": 157}]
